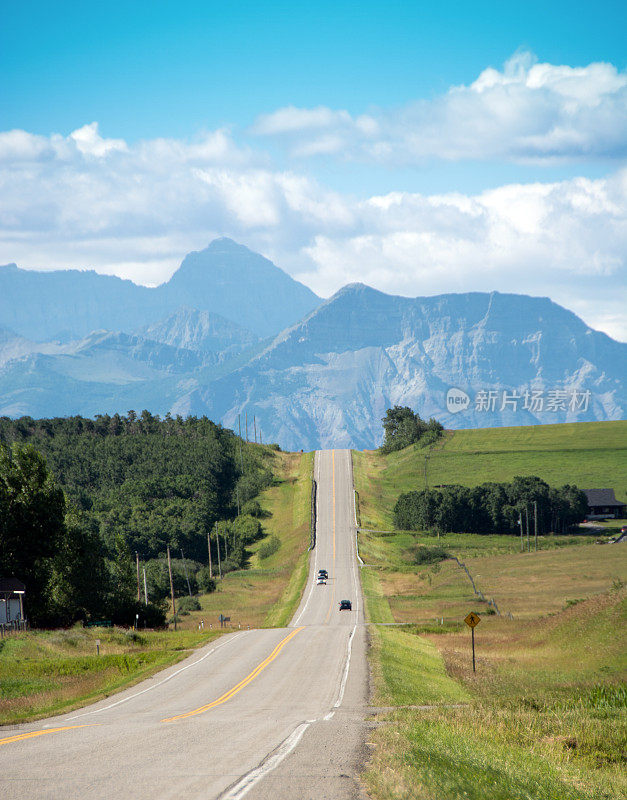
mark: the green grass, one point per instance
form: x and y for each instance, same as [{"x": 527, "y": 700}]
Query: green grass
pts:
[
  {"x": 589, "y": 454},
  {"x": 544, "y": 716},
  {"x": 540, "y": 719},
  {"x": 50, "y": 672}
]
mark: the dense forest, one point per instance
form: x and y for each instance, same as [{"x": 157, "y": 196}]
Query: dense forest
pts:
[
  {"x": 492, "y": 507},
  {"x": 81, "y": 499}
]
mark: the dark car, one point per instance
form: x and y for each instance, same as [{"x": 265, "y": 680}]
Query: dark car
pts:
[
  {"x": 346, "y": 605},
  {"x": 322, "y": 573}
]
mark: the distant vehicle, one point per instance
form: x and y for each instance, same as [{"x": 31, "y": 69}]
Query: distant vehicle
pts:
[
  {"x": 322, "y": 573},
  {"x": 321, "y": 581},
  {"x": 346, "y": 605}
]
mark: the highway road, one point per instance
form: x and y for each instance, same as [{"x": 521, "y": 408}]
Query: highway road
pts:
[{"x": 258, "y": 714}]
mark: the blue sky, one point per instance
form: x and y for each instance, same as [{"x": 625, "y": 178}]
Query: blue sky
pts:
[{"x": 323, "y": 135}]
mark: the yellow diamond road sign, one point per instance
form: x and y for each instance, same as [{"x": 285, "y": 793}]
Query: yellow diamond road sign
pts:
[{"x": 472, "y": 620}]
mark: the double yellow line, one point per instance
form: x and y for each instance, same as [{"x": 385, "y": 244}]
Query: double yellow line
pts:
[
  {"x": 20, "y": 736},
  {"x": 328, "y": 616},
  {"x": 238, "y": 687}
]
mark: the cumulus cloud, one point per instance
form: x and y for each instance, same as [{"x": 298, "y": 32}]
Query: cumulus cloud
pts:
[
  {"x": 526, "y": 112},
  {"x": 136, "y": 209}
]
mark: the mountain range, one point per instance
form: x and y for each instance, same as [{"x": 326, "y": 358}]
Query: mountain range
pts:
[{"x": 231, "y": 334}]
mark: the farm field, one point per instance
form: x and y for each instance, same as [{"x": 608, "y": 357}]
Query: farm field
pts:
[
  {"x": 545, "y": 715},
  {"x": 589, "y": 454}
]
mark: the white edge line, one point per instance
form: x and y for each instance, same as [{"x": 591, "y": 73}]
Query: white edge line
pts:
[
  {"x": 244, "y": 785},
  {"x": 340, "y": 697},
  {"x": 160, "y": 683}
]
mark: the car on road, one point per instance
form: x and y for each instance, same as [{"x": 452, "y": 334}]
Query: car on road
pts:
[
  {"x": 322, "y": 573},
  {"x": 321, "y": 581},
  {"x": 346, "y": 605}
]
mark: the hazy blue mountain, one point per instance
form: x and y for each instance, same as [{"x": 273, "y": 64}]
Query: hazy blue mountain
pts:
[
  {"x": 229, "y": 279},
  {"x": 329, "y": 379},
  {"x": 225, "y": 278},
  {"x": 202, "y": 331},
  {"x": 470, "y": 360}
]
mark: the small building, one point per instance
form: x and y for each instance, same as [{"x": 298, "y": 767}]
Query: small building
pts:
[
  {"x": 11, "y": 600},
  {"x": 602, "y": 504}
]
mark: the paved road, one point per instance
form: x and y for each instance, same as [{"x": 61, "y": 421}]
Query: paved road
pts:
[{"x": 262, "y": 713}]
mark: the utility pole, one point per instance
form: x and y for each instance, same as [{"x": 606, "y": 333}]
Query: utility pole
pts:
[
  {"x": 171, "y": 588},
  {"x": 522, "y": 546},
  {"x": 218, "y": 545},
  {"x": 189, "y": 588},
  {"x": 246, "y": 413},
  {"x": 255, "y": 427},
  {"x": 535, "y": 523},
  {"x": 145, "y": 588},
  {"x": 241, "y": 458},
  {"x": 209, "y": 549},
  {"x": 527, "y": 520},
  {"x": 426, "y": 473},
  {"x": 139, "y": 597},
  {"x": 226, "y": 547}
]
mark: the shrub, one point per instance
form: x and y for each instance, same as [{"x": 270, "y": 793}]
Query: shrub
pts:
[
  {"x": 269, "y": 547},
  {"x": 205, "y": 582},
  {"x": 427, "y": 555},
  {"x": 187, "y": 604}
]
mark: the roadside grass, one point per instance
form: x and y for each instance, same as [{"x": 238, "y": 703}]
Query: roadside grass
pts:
[
  {"x": 267, "y": 594},
  {"x": 43, "y": 673},
  {"x": 591, "y": 455},
  {"x": 545, "y": 716}
]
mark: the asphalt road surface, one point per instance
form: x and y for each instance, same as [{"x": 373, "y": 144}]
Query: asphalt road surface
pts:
[{"x": 262, "y": 714}]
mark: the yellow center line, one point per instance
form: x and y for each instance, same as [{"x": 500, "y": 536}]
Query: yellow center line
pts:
[
  {"x": 333, "y": 526},
  {"x": 238, "y": 687},
  {"x": 20, "y": 736}
]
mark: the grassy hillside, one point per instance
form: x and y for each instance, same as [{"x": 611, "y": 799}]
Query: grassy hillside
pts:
[
  {"x": 545, "y": 715},
  {"x": 588, "y": 454}
]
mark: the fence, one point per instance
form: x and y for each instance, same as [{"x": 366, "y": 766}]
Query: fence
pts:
[{"x": 7, "y": 628}]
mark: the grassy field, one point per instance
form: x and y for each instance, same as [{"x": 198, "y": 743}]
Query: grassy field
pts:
[
  {"x": 44, "y": 673},
  {"x": 545, "y": 715},
  {"x": 49, "y": 672},
  {"x": 591, "y": 455}
]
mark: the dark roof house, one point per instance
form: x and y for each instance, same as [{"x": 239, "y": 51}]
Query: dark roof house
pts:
[{"x": 602, "y": 502}]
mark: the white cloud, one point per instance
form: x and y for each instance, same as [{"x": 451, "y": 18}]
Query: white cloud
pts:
[
  {"x": 136, "y": 209},
  {"x": 528, "y": 112}
]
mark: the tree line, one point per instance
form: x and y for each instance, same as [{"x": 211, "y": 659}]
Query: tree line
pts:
[
  {"x": 80, "y": 497},
  {"x": 492, "y": 507}
]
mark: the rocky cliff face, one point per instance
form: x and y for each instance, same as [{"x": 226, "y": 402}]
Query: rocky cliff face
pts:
[
  {"x": 517, "y": 360},
  {"x": 201, "y": 331}
]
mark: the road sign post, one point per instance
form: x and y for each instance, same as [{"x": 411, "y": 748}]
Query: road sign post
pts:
[{"x": 472, "y": 620}]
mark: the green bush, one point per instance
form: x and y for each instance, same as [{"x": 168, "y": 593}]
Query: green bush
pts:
[
  {"x": 426, "y": 555},
  {"x": 269, "y": 547},
  {"x": 205, "y": 582},
  {"x": 187, "y": 604}
]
